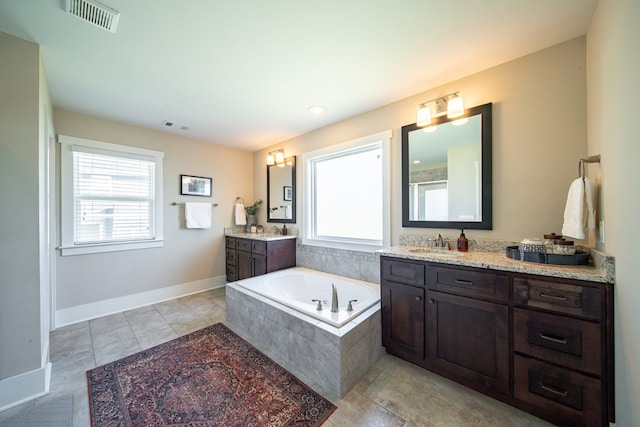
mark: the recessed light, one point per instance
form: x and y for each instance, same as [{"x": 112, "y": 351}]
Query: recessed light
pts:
[
  {"x": 167, "y": 124},
  {"x": 316, "y": 109}
]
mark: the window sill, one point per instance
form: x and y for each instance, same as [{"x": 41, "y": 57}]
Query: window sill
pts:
[{"x": 109, "y": 247}]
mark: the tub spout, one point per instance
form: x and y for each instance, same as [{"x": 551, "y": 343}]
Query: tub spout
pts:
[{"x": 334, "y": 299}]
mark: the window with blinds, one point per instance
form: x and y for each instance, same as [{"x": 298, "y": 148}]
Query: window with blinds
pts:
[{"x": 110, "y": 196}]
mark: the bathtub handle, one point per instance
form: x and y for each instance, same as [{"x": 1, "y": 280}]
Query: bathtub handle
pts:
[
  {"x": 319, "y": 307},
  {"x": 350, "y": 307}
]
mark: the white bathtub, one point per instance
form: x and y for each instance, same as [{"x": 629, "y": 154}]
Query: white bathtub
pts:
[{"x": 296, "y": 288}]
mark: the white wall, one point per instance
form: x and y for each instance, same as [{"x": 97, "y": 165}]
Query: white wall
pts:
[
  {"x": 613, "y": 84},
  {"x": 188, "y": 255}
]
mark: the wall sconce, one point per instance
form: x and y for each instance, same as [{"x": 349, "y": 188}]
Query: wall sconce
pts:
[
  {"x": 450, "y": 104},
  {"x": 276, "y": 158}
]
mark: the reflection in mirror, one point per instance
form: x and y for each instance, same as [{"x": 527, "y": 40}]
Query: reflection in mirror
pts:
[
  {"x": 281, "y": 191},
  {"x": 446, "y": 172}
]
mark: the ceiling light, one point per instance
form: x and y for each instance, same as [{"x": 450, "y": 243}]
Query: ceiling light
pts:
[
  {"x": 450, "y": 104},
  {"x": 316, "y": 109}
]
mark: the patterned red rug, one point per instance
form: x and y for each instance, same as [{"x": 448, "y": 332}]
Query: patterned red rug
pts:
[{"x": 211, "y": 377}]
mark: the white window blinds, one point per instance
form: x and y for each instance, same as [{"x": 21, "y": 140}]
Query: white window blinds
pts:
[{"x": 113, "y": 198}]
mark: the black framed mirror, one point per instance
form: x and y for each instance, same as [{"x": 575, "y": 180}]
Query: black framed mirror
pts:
[
  {"x": 281, "y": 191},
  {"x": 447, "y": 172}
]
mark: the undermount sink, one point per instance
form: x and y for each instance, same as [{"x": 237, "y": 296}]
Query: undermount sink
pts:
[{"x": 436, "y": 252}]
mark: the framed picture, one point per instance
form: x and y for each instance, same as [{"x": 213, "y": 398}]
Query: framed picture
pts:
[
  {"x": 195, "y": 185},
  {"x": 288, "y": 193}
]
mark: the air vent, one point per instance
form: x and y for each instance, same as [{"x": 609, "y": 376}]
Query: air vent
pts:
[{"x": 95, "y": 13}]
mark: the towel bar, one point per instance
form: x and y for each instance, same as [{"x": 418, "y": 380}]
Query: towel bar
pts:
[
  {"x": 213, "y": 205},
  {"x": 590, "y": 159}
]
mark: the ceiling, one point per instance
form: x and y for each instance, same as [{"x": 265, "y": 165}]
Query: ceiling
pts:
[{"x": 243, "y": 73}]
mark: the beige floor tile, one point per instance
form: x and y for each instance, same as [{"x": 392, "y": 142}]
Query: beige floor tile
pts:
[{"x": 356, "y": 410}]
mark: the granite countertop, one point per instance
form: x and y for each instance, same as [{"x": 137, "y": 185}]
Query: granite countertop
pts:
[
  {"x": 601, "y": 270},
  {"x": 259, "y": 236}
]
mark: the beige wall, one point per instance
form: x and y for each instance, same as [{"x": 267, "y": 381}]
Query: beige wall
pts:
[
  {"x": 613, "y": 70},
  {"x": 188, "y": 255},
  {"x": 539, "y": 133},
  {"x": 20, "y": 338}
]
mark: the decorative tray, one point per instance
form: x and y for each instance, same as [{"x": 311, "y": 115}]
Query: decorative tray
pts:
[{"x": 579, "y": 258}]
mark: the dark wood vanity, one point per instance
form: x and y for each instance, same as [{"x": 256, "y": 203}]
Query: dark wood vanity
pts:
[
  {"x": 249, "y": 257},
  {"x": 542, "y": 344}
]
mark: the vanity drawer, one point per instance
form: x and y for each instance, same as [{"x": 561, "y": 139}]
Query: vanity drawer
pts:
[
  {"x": 259, "y": 247},
  {"x": 565, "y": 341},
  {"x": 405, "y": 272},
  {"x": 230, "y": 242},
  {"x": 484, "y": 284},
  {"x": 566, "y": 396},
  {"x": 243, "y": 245},
  {"x": 561, "y": 297},
  {"x": 231, "y": 273}
]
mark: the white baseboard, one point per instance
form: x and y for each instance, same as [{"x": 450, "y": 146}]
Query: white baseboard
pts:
[
  {"x": 80, "y": 313},
  {"x": 24, "y": 387}
]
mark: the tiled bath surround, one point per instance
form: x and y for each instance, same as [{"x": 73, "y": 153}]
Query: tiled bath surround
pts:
[{"x": 330, "y": 359}]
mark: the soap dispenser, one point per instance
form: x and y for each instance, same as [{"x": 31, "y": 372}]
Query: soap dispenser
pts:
[
  {"x": 284, "y": 230},
  {"x": 463, "y": 242}
]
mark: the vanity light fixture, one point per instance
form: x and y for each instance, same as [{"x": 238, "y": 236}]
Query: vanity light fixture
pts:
[
  {"x": 276, "y": 157},
  {"x": 451, "y": 105}
]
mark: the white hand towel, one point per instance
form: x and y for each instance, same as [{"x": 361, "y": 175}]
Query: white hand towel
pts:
[
  {"x": 197, "y": 215},
  {"x": 580, "y": 200},
  {"x": 240, "y": 214},
  {"x": 574, "y": 211}
]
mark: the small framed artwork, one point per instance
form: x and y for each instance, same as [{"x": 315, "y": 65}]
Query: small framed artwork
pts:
[
  {"x": 288, "y": 193},
  {"x": 195, "y": 185}
]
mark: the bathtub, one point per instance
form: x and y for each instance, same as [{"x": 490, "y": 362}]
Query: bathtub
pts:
[
  {"x": 331, "y": 352},
  {"x": 297, "y": 287}
]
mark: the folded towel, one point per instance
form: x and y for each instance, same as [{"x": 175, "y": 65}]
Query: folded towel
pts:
[
  {"x": 580, "y": 200},
  {"x": 197, "y": 215},
  {"x": 240, "y": 214}
]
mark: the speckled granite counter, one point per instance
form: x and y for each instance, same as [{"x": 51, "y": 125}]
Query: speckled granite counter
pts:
[
  {"x": 602, "y": 269},
  {"x": 258, "y": 236}
]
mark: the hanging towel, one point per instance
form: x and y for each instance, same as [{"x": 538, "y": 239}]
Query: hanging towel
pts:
[
  {"x": 197, "y": 215},
  {"x": 580, "y": 201},
  {"x": 240, "y": 214}
]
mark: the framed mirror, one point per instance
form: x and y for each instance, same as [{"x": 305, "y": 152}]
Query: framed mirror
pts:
[
  {"x": 281, "y": 191},
  {"x": 446, "y": 172}
]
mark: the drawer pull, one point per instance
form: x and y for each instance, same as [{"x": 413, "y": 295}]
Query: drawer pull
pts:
[
  {"x": 464, "y": 282},
  {"x": 553, "y": 297},
  {"x": 553, "y": 390},
  {"x": 418, "y": 298},
  {"x": 552, "y": 339},
  {"x": 432, "y": 301}
]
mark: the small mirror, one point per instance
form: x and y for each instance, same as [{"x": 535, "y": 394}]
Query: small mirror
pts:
[
  {"x": 446, "y": 172},
  {"x": 281, "y": 191}
]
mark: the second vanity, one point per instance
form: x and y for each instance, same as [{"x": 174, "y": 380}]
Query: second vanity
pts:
[
  {"x": 538, "y": 337},
  {"x": 254, "y": 254}
]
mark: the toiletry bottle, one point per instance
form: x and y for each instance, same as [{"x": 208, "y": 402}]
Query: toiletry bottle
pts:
[
  {"x": 463, "y": 242},
  {"x": 284, "y": 230}
]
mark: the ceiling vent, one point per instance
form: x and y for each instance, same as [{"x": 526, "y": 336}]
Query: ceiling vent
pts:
[{"x": 95, "y": 13}]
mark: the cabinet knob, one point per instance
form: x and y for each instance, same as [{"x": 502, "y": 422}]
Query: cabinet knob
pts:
[
  {"x": 418, "y": 298},
  {"x": 431, "y": 301}
]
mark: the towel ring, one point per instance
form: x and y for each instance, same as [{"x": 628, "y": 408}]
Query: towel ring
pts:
[{"x": 240, "y": 198}]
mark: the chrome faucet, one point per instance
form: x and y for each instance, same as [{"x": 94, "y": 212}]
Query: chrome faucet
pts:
[
  {"x": 334, "y": 299},
  {"x": 275, "y": 229},
  {"x": 440, "y": 242}
]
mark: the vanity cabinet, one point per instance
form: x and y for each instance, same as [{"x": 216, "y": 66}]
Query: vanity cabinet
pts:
[
  {"x": 251, "y": 257},
  {"x": 542, "y": 344}
]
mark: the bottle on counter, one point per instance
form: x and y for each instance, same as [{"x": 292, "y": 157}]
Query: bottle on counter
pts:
[
  {"x": 284, "y": 230},
  {"x": 463, "y": 242}
]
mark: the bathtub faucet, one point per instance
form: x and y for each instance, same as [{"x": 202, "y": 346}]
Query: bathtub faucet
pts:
[{"x": 334, "y": 299}]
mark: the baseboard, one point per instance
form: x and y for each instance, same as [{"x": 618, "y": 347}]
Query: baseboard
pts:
[
  {"x": 80, "y": 313},
  {"x": 24, "y": 387}
]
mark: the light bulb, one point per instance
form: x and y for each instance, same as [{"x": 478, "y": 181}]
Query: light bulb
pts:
[
  {"x": 455, "y": 107},
  {"x": 279, "y": 157},
  {"x": 270, "y": 160},
  {"x": 424, "y": 116}
]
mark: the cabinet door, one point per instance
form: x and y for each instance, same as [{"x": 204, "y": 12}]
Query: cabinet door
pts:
[
  {"x": 403, "y": 320},
  {"x": 259, "y": 264},
  {"x": 468, "y": 340},
  {"x": 244, "y": 264}
]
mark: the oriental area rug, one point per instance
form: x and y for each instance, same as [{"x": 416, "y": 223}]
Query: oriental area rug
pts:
[{"x": 210, "y": 377}]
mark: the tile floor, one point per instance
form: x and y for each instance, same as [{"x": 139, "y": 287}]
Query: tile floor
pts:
[{"x": 393, "y": 393}]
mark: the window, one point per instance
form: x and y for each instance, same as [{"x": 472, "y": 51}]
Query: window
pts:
[
  {"x": 111, "y": 197},
  {"x": 346, "y": 203}
]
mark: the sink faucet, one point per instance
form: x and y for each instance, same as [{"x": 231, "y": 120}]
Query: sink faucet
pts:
[
  {"x": 440, "y": 242},
  {"x": 275, "y": 229},
  {"x": 334, "y": 299}
]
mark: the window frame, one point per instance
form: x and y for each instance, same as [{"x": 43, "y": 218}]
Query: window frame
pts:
[
  {"x": 308, "y": 236},
  {"x": 68, "y": 245}
]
